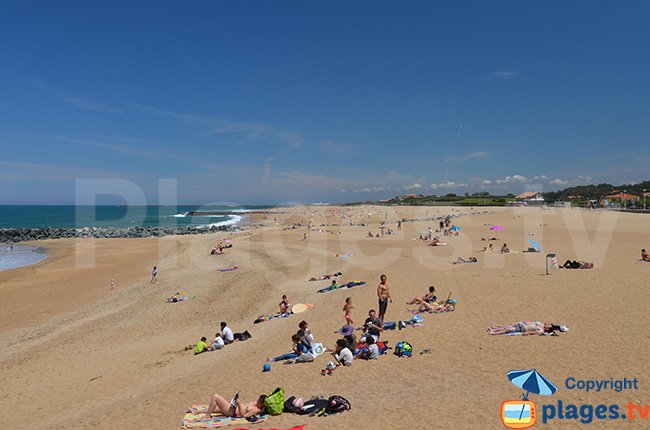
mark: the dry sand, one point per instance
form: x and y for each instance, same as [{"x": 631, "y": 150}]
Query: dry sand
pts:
[{"x": 75, "y": 354}]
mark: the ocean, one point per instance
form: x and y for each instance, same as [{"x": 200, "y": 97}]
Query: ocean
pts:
[{"x": 106, "y": 216}]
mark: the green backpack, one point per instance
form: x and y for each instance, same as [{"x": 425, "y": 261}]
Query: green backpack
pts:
[{"x": 274, "y": 403}]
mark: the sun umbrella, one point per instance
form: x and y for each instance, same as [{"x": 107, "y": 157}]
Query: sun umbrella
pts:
[
  {"x": 535, "y": 245},
  {"x": 496, "y": 228},
  {"x": 532, "y": 381}
]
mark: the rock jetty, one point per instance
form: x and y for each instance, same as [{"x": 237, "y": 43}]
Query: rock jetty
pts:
[{"x": 13, "y": 235}]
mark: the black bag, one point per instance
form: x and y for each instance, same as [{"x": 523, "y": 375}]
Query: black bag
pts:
[
  {"x": 336, "y": 405},
  {"x": 289, "y": 407},
  {"x": 314, "y": 407}
]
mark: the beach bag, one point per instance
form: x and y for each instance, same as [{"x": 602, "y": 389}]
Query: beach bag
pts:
[
  {"x": 336, "y": 405},
  {"x": 315, "y": 406},
  {"x": 403, "y": 349},
  {"x": 294, "y": 405},
  {"x": 274, "y": 403}
]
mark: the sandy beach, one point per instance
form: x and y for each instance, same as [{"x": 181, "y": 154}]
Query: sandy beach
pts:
[{"x": 76, "y": 354}]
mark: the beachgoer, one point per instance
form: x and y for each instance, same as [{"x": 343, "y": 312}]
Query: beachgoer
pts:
[
  {"x": 347, "y": 331},
  {"x": 526, "y": 328},
  {"x": 429, "y": 297},
  {"x": 238, "y": 409},
  {"x": 505, "y": 249},
  {"x": 373, "y": 325},
  {"x": 383, "y": 293},
  {"x": 573, "y": 264},
  {"x": 227, "y": 334},
  {"x": 218, "y": 342},
  {"x": 399, "y": 225},
  {"x": 285, "y": 307},
  {"x": 644, "y": 255},
  {"x": 348, "y": 311},
  {"x": 308, "y": 337},
  {"x": 342, "y": 354},
  {"x": 461, "y": 260},
  {"x": 373, "y": 350},
  {"x": 154, "y": 275},
  {"x": 299, "y": 352},
  {"x": 201, "y": 346}
]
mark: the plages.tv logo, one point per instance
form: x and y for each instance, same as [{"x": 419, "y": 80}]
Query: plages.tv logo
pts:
[{"x": 522, "y": 414}]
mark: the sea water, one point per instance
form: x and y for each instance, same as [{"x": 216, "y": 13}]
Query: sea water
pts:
[
  {"x": 12, "y": 216},
  {"x": 118, "y": 216},
  {"x": 19, "y": 256}
]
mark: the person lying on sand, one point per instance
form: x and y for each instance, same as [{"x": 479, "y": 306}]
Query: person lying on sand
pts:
[
  {"x": 434, "y": 242},
  {"x": 433, "y": 308},
  {"x": 235, "y": 408},
  {"x": 573, "y": 264},
  {"x": 527, "y": 328},
  {"x": 429, "y": 297},
  {"x": 461, "y": 260},
  {"x": 644, "y": 255}
]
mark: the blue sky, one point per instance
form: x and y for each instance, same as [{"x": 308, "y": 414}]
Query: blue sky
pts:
[{"x": 269, "y": 102}]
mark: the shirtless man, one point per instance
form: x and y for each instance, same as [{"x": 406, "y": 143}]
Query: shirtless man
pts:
[
  {"x": 383, "y": 293},
  {"x": 238, "y": 409}
]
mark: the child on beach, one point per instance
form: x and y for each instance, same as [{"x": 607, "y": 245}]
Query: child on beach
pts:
[
  {"x": 644, "y": 255},
  {"x": 348, "y": 311},
  {"x": 201, "y": 346},
  {"x": 285, "y": 307},
  {"x": 154, "y": 275}
]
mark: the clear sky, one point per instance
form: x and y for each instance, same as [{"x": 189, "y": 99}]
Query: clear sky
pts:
[{"x": 276, "y": 101}]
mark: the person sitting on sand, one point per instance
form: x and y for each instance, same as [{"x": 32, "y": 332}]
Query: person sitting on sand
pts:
[
  {"x": 373, "y": 325},
  {"x": 526, "y": 328},
  {"x": 300, "y": 351},
  {"x": 644, "y": 255},
  {"x": 434, "y": 242},
  {"x": 238, "y": 409},
  {"x": 342, "y": 354},
  {"x": 505, "y": 249},
  {"x": 307, "y": 336},
  {"x": 429, "y": 297},
  {"x": 218, "y": 343},
  {"x": 201, "y": 346},
  {"x": 347, "y": 331},
  {"x": 285, "y": 306},
  {"x": 373, "y": 350}
]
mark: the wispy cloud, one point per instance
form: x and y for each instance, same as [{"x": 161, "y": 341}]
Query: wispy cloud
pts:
[
  {"x": 468, "y": 156},
  {"x": 336, "y": 148},
  {"x": 504, "y": 74},
  {"x": 77, "y": 100},
  {"x": 292, "y": 138}
]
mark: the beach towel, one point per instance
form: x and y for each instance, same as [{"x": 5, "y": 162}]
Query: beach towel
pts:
[
  {"x": 193, "y": 419},
  {"x": 180, "y": 297},
  {"x": 349, "y": 254},
  {"x": 338, "y": 287},
  {"x": 228, "y": 269},
  {"x": 463, "y": 262}
]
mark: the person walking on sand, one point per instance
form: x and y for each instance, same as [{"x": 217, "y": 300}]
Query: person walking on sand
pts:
[
  {"x": 154, "y": 275},
  {"x": 383, "y": 293},
  {"x": 348, "y": 311}
]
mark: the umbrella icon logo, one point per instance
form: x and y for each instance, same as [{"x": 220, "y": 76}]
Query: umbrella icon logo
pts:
[{"x": 521, "y": 414}]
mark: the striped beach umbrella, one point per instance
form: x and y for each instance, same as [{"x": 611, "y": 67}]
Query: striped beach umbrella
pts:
[{"x": 532, "y": 381}]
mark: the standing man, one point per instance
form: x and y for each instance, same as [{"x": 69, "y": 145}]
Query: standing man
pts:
[
  {"x": 383, "y": 293},
  {"x": 154, "y": 275}
]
